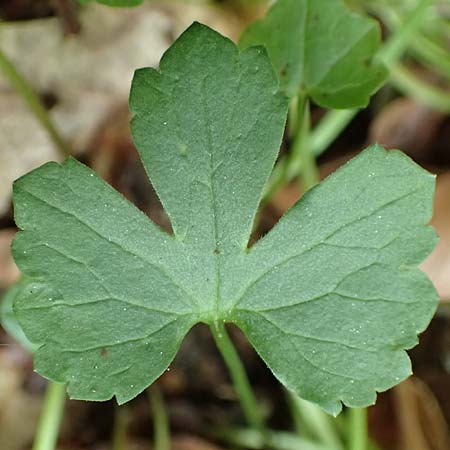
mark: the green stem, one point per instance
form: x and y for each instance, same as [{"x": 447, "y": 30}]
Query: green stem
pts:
[
  {"x": 426, "y": 49},
  {"x": 332, "y": 125},
  {"x": 119, "y": 439},
  {"x": 405, "y": 81},
  {"x": 359, "y": 438},
  {"x": 432, "y": 54},
  {"x": 301, "y": 151},
  {"x": 320, "y": 139},
  {"x": 51, "y": 415},
  {"x": 395, "y": 46},
  {"x": 33, "y": 101},
  {"x": 292, "y": 118},
  {"x": 161, "y": 427},
  {"x": 312, "y": 419},
  {"x": 238, "y": 375},
  {"x": 270, "y": 440},
  {"x": 296, "y": 413}
]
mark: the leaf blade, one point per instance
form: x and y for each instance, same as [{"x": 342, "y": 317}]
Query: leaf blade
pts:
[
  {"x": 348, "y": 297},
  {"x": 217, "y": 117},
  {"x": 95, "y": 315},
  {"x": 119, "y": 293}
]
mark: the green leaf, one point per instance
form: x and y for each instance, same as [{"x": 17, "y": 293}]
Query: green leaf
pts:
[
  {"x": 8, "y": 317},
  {"x": 113, "y": 294},
  {"x": 329, "y": 298},
  {"x": 322, "y": 50},
  {"x": 336, "y": 296}
]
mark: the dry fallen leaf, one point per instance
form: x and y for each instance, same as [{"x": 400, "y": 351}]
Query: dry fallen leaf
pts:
[
  {"x": 16, "y": 406},
  {"x": 8, "y": 269},
  {"x": 422, "y": 424},
  {"x": 192, "y": 443},
  {"x": 24, "y": 145},
  {"x": 408, "y": 125},
  {"x": 74, "y": 74},
  {"x": 437, "y": 265}
]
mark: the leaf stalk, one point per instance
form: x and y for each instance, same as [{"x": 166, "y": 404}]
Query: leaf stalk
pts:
[
  {"x": 51, "y": 416},
  {"x": 33, "y": 101},
  {"x": 358, "y": 429},
  {"x": 238, "y": 375},
  {"x": 161, "y": 427},
  {"x": 301, "y": 150},
  {"x": 119, "y": 436},
  {"x": 335, "y": 121}
]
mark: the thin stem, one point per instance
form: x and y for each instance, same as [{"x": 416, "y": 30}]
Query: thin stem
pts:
[
  {"x": 301, "y": 150},
  {"x": 33, "y": 101},
  {"x": 320, "y": 138},
  {"x": 277, "y": 179},
  {"x": 331, "y": 126},
  {"x": 292, "y": 122},
  {"x": 51, "y": 415},
  {"x": 395, "y": 46},
  {"x": 311, "y": 418},
  {"x": 119, "y": 439},
  {"x": 359, "y": 438},
  {"x": 431, "y": 54},
  {"x": 335, "y": 122},
  {"x": 161, "y": 427},
  {"x": 405, "y": 81},
  {"x": 296, "y": 413},
  {"x": 424, "y": 48},
  {"x": 238, "y": 375},
  {"x": 270, "y": 440}
]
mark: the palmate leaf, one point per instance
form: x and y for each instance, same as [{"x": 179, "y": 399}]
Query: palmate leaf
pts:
[
  {"x": 321, "y": 50},
  {"x": 330, "y": 298}
]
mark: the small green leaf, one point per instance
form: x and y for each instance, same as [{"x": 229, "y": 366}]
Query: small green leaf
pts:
[
  {"x": 322, "y": 50},
  {"x": 8, "y": 317},
  {"x": 330, "y": 298}
]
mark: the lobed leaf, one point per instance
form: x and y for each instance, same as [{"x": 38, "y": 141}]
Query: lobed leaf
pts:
[
  {"x": 330, "y": 298},
  {"x": 117, "y": 293}
]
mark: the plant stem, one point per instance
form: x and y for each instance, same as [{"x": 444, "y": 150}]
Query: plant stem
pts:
[
  {"x": 301, "y": 150},
  {"x": 358, "y": 429},
  {"x": 331, "y": 126},
  {"x": 320, "y": 138},
  {"x": 161, "y": 427},
  {"x": 270, "y": 440},
  {"x": 431, "y": 54},
  {"x": 335, "y": 121},
  {"x": 119, "y": 439},
  {"x": 424, "y": 48},
  {"x": 406, "y": 82},
  {"x": 51, "y": 415},
  {"x": 395, "y": 46},
  {"x": 319, "y": 424},
  {"x": 292, "y": 122},
  {"x": 238, "y": 375},
  {"x": 33, "y": 101}
]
